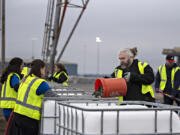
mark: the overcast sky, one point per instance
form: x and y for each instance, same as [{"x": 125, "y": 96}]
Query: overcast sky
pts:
[{"x": 150, "y": 25}]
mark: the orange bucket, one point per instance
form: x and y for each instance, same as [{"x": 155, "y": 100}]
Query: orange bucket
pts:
[{"x": 112, "y": 87}]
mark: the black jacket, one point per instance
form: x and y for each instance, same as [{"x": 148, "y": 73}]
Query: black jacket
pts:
[
  {"x": 134, "y": 86},
  {"x": 168, "y": 87},
  {"x": 62, "y": 78}
]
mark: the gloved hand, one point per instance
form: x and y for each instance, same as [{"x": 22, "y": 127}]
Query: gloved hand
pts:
[
  {"x": 127, "y": 76},
  {"x": 173, "y": 97},
  {"x": 96, "y": 93},
  {"x": 99, "y": 92}
]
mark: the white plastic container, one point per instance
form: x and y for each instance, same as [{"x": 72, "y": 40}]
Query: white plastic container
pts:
[{"x": 90, "y": 122}]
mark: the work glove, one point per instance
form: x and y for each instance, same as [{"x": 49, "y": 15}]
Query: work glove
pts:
[
  {"x": 96, "y": 93},
  {"x": 99, "y": 92},
  {"x": 127, "y": 76},
  {"x": 173, "y": 97}
]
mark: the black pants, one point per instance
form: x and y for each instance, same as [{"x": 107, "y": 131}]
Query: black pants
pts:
[{"x": 22, "y": 125}]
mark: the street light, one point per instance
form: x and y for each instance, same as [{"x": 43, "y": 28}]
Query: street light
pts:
[
  {"x": 98, "y": 41},
  {"x": 33, "y": 42},
  {"x": 84, "y": 60}
]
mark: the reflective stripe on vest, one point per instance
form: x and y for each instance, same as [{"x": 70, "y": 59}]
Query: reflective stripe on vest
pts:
[
  {"x": 28, "y": 106},
  {"x": 58, "y": 75},
  {"x": 8, "y": 94},
  {"x": 174, "y": 70},
  {"x": 28, "y": 103},
  {"x": 163, "y": 76},
  {"x": 145, "y": 88},
  {"x": 118, "y": 74},
  {"x": 24, "y": 103}
]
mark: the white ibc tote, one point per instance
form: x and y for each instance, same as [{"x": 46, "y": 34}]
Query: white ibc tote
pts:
[{"x": 108, "y": 117}]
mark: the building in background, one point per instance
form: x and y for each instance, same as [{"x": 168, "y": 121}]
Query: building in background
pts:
[
  {"x": 71, "y": 67},
  {"x": 174, "y": 52}
]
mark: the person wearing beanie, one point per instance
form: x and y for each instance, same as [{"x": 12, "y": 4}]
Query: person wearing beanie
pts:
[{"x": 167, "y": 79}]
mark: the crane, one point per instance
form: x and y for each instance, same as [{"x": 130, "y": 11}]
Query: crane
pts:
[
  {"x": 2, "y": 29},
  {"x": 55, "y": 16}
]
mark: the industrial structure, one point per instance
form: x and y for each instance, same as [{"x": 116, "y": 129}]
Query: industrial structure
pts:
[
  {"x": 56, "y": 11},
  {"x": 2, "y": 31},
  {"x": 174, "y": 52}
]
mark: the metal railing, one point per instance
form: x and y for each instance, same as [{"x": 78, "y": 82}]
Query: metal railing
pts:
[{"x": 70, "y": 117}]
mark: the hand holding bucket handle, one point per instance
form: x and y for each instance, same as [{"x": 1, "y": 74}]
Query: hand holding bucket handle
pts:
[
  {"x": 99, "y": 92},
  {"x": 127, "y": 76}
]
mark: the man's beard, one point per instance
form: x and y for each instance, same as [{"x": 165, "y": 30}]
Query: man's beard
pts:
[{"x": 125, "y": 65}]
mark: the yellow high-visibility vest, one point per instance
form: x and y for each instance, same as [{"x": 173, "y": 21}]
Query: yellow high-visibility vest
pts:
[
  {"x": 25, "y": 71},
  {"x": 145, "y": 88},
  {"x": 28, "y": 102},
  {"x": 8, "y": 94},
  {"x": 58, "y": 75},
  {"x": 163, "y": 76},
  {"x": 118, "y": 74}
]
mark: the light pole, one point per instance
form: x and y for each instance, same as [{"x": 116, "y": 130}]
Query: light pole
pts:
[
  {"x": 33, "y": 42},
  {"x": 84, "y": 60},
  {"x": 3, "y": 34},
  {"x": 98, "y": 41}
]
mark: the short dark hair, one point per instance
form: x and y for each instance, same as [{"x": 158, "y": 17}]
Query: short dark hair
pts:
[
  {"x": 36, "y": 65},
  {"x": 13, "y": 67},
  {"x": 61, "y": 66}
]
